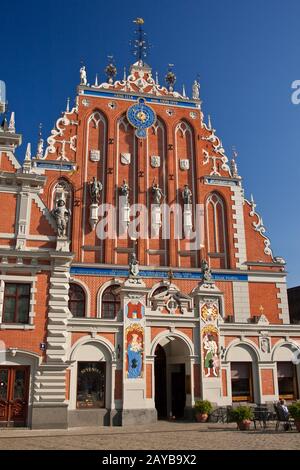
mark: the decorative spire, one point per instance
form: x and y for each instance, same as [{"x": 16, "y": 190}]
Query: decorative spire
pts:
[
  {"x": 140, "y": 45},
  {"x": 12, "y": 124},
  {"x": 26, "y": 167},
  {"x": 96, "y": 80},
  {"x": 209, "y": 123},
  {"x": 233, "y": 165},
  {"x": 183, "y": 91},
  {"x": 124, "y": 75},
  {"x": 40, "y": 145},
  {"x": 156, "y": 78},
  {"x": 110, "y": 69},
  {"x": 170, "y": 77},
  {"x": 28, "y": 153},
  {"x": 68, "y": 105}
]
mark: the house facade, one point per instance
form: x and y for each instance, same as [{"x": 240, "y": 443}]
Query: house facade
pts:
[{"x": 135, "y": 276}]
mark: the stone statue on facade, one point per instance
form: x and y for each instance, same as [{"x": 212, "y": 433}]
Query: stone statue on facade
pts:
[
  {"x": 196, "y": 90},
  {"x": 61, "y": 215},
  {"x": 186, "y": 195},
  {"x": 133, "y": 265},
  {"x": 207, "y": 276},
  {"x": 83, "y": 77},
  {"x": 124, "y": 190},
  {"x": 95, "y": 188},
  {"x": 157, "y": 193}
]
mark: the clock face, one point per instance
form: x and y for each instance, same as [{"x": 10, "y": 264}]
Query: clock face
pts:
[{"x": 141, "y": 117}]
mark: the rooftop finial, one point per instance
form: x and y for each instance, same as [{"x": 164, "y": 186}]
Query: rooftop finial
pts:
[
  {"x": 111, "y": 69},
  {"x": 12, "y": 124},
  {"x": 68, "y": 105},
  {"x": 170, "y": 77},
  {"x": 140, "y": 45},
  {"x": 233, "y": 165},
  {"x": 40, "y": 145}
]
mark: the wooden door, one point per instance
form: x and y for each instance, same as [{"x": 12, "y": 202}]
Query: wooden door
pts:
[{"x": 14, "y": 386}]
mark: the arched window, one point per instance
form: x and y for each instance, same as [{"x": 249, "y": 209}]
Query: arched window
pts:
[
  {"x": 111, "y": 302},
  {"x": 216, "y": 231},
  {"x": 77, "y": 301}
]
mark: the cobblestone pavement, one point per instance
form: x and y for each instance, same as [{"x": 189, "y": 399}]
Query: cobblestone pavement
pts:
[{"x": 159, "y": 436}]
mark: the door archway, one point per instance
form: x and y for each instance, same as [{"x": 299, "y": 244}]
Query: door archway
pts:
[{"x": 172, "y": 377}]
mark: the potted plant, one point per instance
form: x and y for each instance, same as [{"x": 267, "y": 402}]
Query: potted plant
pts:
[
  {"x": 242, "y": 415},
  {"x": 294, "y": 410},
  {"x": 202, "y": 409}
]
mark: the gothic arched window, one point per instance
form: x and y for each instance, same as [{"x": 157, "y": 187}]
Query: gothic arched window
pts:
[
  {"x": 216, "y": 231},
  {"x": 111, "y": 302},
  {"x": 77, "y": 301}
]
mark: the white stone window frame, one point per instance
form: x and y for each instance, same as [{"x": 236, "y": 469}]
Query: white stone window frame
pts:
[
  {"x": 87, "y": 295},
  {"x": 112, "y": 282},
  {"x": 32, "y": 280}
]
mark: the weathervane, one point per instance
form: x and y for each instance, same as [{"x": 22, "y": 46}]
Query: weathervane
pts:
[{"x": 140, "y": 45}]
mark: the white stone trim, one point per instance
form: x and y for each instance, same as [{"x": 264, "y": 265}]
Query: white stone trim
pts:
[
  {"x": 283, "y": 302},
  {"x": 111, "y": 282},
  {"x": 239, "y": 226},
  {"x": 19, "y": 280}
]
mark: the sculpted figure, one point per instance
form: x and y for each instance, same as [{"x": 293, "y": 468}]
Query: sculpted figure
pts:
[
  {"x": 62, "y": 216},
  {"x": 196, "y": 90},
  {"x": 157, "y": 193},
  {"x": 124, "y": 190},
  {"x": 207, "y": 276},
  {"x": 95, "y": 188},
  {"x": 133, "y": 265},
  {"x": 186, "y": 195},
  {"x": 83, "y": 78}
]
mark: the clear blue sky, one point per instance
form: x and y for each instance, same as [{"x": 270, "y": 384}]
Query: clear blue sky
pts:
[{"x": 246, "y": 52}]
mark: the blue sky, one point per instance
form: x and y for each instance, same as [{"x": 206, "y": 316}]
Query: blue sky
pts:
[{"x": 246, "y": 53}]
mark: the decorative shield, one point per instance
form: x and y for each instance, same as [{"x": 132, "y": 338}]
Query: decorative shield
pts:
[
  {"x": 184, "y": 164},
  {"x": 155, "y": 161},
  {"x": 95, "y": 155},
  {"x": 125, "y": 158}
]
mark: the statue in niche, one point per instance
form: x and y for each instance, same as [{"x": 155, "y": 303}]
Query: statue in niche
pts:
[
  {"x": 133, "y": 265},
  {"x": 207, "y": 276},
  {"x": 157, "y": 193},
  {"x": 187, "y": 195},
  {"x": 83, "y": 78},
  {"x": 124, "y": 190},
  {"x": 95, "y": 188},
  {"x": 61, "y": 215}
]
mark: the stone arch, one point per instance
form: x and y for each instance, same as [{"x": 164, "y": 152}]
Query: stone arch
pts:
[
  {"x": 166, "y": 336},
  {"x": 96, "y": 349},
  {"x": 288, "y": 348},
  {"x": 245, "y": 344}
]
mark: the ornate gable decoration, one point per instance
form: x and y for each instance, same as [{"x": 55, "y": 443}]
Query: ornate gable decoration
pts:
[{"x": 140, "y": 80}]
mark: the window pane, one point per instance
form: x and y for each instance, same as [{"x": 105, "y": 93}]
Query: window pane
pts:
[
  {"x": 10, "y": 289},
  {"x": 77, "y": 309},
  {"x": 285, "y": 369},
  {"x": 23, "y": 289},
  {"x": 91, "y": 385},
  {"x": 9, "y": 310},
  {"x": 23, "y": 310}
]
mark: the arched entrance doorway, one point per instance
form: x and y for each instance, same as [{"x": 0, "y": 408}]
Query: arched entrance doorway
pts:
[{"x": 172, "y": 377}]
